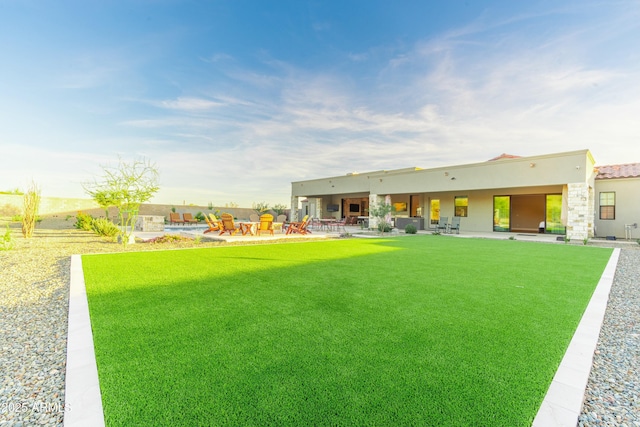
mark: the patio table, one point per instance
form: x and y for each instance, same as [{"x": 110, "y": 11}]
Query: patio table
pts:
[{"x": 248, "y": 227}]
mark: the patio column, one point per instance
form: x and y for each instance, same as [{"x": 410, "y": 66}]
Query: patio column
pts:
[
  {"x": 374, "y": 200},
  {"x": 580, "y": 211},
  {"x": 315, "y": 207},
  {"x": 294, "y": 209}
]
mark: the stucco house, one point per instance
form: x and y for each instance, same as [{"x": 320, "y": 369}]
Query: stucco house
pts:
[{"x": 564, "y": 193}]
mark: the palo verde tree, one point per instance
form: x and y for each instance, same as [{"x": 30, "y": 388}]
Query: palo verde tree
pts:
[
  {"x": 381, "y": 213},
  {"x": 105, "y": 200},
  {"x": 260, "y": 207},
  {"x": 279, "y": 208},
  {"x": 125, "y": 187}
]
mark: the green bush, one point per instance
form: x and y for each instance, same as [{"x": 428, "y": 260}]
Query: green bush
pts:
[
  {"x": 410, "y": 229},
  {"x": 84, "y": 222},
  {"x": 384, "y": 227},
  {"x": 104, "y": 227},
  {"x": 199, "y": 216},
  {"x": 100, "y": 226},
  {"x": 6, "y": 240}
]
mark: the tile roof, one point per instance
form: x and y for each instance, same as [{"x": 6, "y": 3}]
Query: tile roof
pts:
[
  {"x": 504, "y": 156},
  {"x": 628, "y": 170}
]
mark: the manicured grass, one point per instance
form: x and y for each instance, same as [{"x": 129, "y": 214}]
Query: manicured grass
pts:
[{"x": 420, "y": 330}]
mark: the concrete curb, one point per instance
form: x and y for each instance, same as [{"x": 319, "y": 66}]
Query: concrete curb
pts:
[
  {"x": 83, "y": 401},
  {"x": 562, "y": 404}
]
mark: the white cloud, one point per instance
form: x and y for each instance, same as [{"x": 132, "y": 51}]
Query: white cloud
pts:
[
  {"x": 464, "y": 96},
  {"x": 189, "y": 104}
]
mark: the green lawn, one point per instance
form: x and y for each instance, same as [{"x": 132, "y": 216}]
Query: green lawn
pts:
[{"x": 418, "y": 330}]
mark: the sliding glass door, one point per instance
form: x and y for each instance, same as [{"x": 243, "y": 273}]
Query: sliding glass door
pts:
[
  {"x": 553, "y": 214},
  {"x": 501, "y": 213}
]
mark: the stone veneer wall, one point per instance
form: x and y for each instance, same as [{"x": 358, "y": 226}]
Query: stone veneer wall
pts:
[{"x": 580, "y": 210}]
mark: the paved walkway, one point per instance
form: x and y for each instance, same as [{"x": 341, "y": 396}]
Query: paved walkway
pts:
[{"x": 357, "y": 231}]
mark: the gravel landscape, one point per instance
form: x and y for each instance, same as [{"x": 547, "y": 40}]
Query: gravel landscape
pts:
[{"x": 34, "y": 291}]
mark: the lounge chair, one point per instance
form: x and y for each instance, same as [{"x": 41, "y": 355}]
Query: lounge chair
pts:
[
  {"x": 266, "y": 224},
  {"x": 174, "y": 218},
  {"x": 299, "y": 227},
  {"x": 188, "y": 218},
  {"x": 213, "y": 223},
  {"x": 442, "y": 224},
  {"x": 455, "y": 225},
  {"x": 228, "y": 226}
]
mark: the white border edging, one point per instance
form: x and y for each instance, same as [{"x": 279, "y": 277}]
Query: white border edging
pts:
[
  {"x": 83, "y": 401},
  {"x": 562, "y": 404}
]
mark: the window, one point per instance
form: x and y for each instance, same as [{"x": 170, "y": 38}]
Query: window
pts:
[
  {"x": 608, "y": 205},
  {"x": 461, "y": 205},
  {"x": 434, "y": 211}
]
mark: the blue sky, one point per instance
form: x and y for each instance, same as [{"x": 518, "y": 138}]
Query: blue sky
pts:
[{"x": 233, "y": 100}]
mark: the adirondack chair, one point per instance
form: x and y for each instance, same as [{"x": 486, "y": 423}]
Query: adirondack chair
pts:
[
  {"x": 228, "y": 225},
  {"x": 266, "y": 224},
  {"x": 174, "y": 218},
  {"x": 213, "y": 223},
  {"x": 299, "y": 227}
]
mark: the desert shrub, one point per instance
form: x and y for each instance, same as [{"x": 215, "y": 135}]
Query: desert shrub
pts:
[
  {"x": 100, "y": 226},
  {"x": 104, "y": 227},
  {"x": 83, "y": 221},
  {"x": 6, "y": 240},
  {"x": 410, "y": 229},
  {"x": 31, "y": 201},
  {"x": 170, "y": 238},
  {"x": 384, "y": 227}
]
